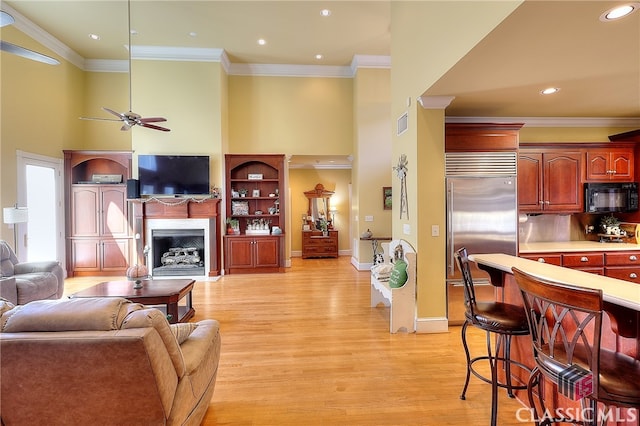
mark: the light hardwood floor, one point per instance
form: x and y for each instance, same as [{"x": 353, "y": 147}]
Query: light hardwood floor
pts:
[{"x": 305, "y": 348}]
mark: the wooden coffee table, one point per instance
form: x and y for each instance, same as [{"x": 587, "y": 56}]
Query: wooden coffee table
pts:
[{"x": 153, "y": 292}]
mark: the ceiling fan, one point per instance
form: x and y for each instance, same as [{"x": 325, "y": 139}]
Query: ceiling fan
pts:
[
  {"x": 7, "y": 19},
  {"x": 130, "y": 118}
]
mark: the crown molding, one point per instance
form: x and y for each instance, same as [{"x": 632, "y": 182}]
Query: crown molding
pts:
[
  {"x": 165, "y": 53},
  {"x": 321, "y": 166},
  {"x": 370, "y": 61},
  {"x": 553, "y": 121},
  {"x": 290, "y": 70},
  {"x": 435, "y": 102},
  {"x": 106, "y": 65}
]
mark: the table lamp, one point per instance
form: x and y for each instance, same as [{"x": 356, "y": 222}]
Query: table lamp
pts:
[{"x": 13, "y": 216}]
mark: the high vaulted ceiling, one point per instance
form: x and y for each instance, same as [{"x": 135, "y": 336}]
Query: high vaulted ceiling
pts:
[{"x": 596, "y": 65}]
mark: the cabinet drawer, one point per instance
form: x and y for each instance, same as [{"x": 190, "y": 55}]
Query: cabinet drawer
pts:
[
  {"x": 551, "y": 259},
  {"x": 624, "y": 273},
  {"x": 320, "y": 250},
  {"x": 622, "y": 258},
  {"x": 582, "y": 260}
]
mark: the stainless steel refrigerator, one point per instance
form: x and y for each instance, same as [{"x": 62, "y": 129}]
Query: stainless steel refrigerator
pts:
[{"x": 482, "y": 215}]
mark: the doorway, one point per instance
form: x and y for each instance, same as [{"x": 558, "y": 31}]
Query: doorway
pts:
[{"x": 40, "y": 189}]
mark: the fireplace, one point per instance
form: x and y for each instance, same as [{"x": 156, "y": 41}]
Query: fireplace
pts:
[
  {"x": 177, "y": 252},
  {"x": 178, "y": 247}
]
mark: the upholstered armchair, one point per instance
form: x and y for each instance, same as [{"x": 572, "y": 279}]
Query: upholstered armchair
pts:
[{"x": 27, "y": 281}]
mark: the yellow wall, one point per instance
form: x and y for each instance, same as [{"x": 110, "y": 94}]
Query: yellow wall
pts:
[
  {"x": 372, "y": 150},
  {"x": 338, "y": 181},
  {"x": 290, "y": 115},
  {"x": 40, "y": 108},
  {"x": 415, "y": 27}
]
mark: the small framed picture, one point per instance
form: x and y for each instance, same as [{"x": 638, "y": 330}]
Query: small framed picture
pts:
[
  {"x": 239, "y": 207},
  {"x": 386, "y": 198},
  {"x": 255, "y": 193}
]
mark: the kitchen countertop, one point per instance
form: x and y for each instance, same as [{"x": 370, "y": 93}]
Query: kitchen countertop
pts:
[
  {"x": 574, "y": 246},
  {"x": 618, "y": 292}
]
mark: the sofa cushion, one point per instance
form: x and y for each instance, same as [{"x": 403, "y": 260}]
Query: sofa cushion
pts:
[
  {"x": 81, "y": 314},
  {"x": 36, "y": 286},
  {"x": 183, "y": 330}
]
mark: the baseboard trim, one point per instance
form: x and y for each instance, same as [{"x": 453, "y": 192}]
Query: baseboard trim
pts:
[{"x": 432, "y": 325}]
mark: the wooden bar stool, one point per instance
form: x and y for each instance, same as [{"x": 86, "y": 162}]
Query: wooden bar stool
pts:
[
  {"x": 566, "y": 324},
  {"x": 502, "y": 320}
]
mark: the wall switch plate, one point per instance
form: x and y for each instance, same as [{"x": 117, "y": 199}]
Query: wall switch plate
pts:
[
  {"x": 406, "y": 229},
  {"x": 368, "y": 218},
  {"x": 435, "y": 231}
]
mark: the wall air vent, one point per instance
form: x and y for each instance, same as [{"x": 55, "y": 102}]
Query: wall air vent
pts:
[
  {"x": 403, "y": 123},
  {"x": 481, "y": 164}
]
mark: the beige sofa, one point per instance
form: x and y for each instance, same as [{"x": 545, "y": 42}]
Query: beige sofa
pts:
[{"x": 103, "y": 361}]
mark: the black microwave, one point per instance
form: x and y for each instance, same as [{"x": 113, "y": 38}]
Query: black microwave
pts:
[{"x": 611, "y": 197}]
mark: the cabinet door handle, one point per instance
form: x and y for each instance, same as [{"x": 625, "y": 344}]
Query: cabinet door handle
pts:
[
  {"x": 633, "y": 257},
  {"x": 547, "y": 202},
  {"x": 633, "y": 275},
  {"x": 541, "y": 260},
  {"x": 584, "y": 259}
]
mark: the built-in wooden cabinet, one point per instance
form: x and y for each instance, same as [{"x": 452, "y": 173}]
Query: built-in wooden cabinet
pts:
[
  {"x": 315, "y": 244},
  {"x": 254, "y": 189},
  {"x": 615, "y": 164},
  {"x": 549, "y": 181},
  {"x": 98, "y": 237},
  {"x": 249, "y": 254}
]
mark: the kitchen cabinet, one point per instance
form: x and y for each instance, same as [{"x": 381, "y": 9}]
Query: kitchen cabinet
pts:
[
  {"x": 261, "y": 210},
  {"x": 623, "y": 265},
  {"x": 550, "y": 181},
  {"x": 252, "y": 253},
  {"x": 97, "y": 227},
  {"x": 314, "y": 244},
  {"x": 616, "y": 164}
]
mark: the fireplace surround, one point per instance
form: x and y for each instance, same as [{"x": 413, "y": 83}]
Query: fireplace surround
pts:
[{"x": 199, "y": 222}]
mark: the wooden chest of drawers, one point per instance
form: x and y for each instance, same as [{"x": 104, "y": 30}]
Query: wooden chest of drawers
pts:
[{"x": 314, "y": 244}]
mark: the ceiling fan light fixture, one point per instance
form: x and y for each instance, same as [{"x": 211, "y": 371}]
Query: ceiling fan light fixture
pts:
[
  {"x": 619, "y": 12},
  {"x": 550, "y": 90}
]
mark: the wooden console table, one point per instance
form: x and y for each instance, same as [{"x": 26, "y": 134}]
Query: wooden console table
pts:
[{"x": 179, "y": 208}]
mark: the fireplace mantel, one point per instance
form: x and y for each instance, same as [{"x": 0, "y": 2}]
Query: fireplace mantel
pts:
[{"x": 178, "y": 208}]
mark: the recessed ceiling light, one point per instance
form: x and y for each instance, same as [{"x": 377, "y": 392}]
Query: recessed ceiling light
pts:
[
  {"x": 193, "y": 34},
  {"x": 318, "y": 56},
  {"x": 262, "y": 41},
  {"x": 550, "y": 91},
  {"x": 325, "y": 12},
  {"x": 94, "y": 36},
  {"x": 619, "y": 12},
  {"x": 133, "y": 32}
]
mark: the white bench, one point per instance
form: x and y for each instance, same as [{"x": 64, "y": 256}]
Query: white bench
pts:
[{"x": 402, "y": 300}]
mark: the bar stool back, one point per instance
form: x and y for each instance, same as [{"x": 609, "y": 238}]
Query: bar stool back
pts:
[
  {"x": 501, "y": 320},
  {"x": 565, "y": 323}
]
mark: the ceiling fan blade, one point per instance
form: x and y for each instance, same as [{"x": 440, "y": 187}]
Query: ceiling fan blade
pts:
[
  {"x": 98, "y": 119},
  {"x": 26, "y": 53},
  {"x": 5, "y": 19},
  {"x": 117, "y": 114},
  {"x": 152, "y": 126},
  {"x": 152, "y": 119}
]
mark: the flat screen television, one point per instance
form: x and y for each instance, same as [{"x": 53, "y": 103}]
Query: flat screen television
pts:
[{"x": 173, "y": 174}]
